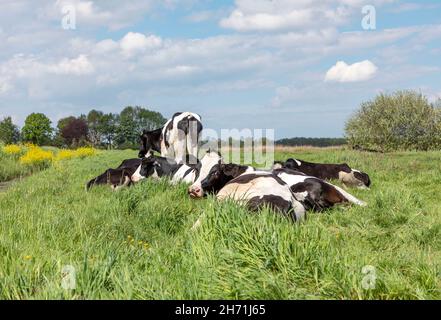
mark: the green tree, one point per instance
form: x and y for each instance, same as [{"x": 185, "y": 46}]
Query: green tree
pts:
[
  {"x": 401, "y": 121},
  {"x": 107, "y": 126},
  {"x": 94, "y": 121},
  {"x": 9, "y": 132},
  {"x": 37, "y": 129},
  {"x": 132, "y": 120}
]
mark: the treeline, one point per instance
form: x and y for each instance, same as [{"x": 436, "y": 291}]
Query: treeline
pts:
[
  {"x": 98, "y": 129},
  {"x": 315, "y": 142}
]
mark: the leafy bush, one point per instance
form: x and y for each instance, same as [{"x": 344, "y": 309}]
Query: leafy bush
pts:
[{"x": 401, "y": 121}]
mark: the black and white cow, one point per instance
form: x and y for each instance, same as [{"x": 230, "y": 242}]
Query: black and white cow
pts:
[
  {"x": 314, "y": 193},
  {"x": 119, "y": 177},
  {"x": 311, "y": 192},
  {"x": 179, "y": 137},
  {"x": 255, "y": 189},
  {"x": 157, "y": 167},
  {"x": 349, "y": 177}
]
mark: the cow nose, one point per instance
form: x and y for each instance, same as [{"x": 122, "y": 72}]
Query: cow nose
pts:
[{"x": 194, "y": 192}]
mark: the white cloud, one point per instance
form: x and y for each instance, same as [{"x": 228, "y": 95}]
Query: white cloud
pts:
[
  {"x": 360, "y": 71},
  {"x": 77, "y": 66},
  {"x": 134, "y": 43},
  {"x": 265, "y": 15},
  {"x": 5, "y": 86}
]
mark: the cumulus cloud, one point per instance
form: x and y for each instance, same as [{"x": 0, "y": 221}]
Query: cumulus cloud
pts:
[
  {"x": 134, "y": 43},
  {"x": 360, "y": 71},
  {"x": 77, "y": 66}
]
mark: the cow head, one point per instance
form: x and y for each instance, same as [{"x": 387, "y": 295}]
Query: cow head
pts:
[
  {"x": 208, "y": 161},
  {"x": 218, "y": 177},
  {"x": 362, "y": 178},
  {"x": 149, "y": 167},
  {"x": 149, "y": 141},
  {"x": 292, "y": 164},
  {"x": 146, "y": 145}
]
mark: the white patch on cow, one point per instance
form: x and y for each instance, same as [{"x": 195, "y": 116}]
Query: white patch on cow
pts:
[
  {"x": 299, "y": 163},
  {"x": 299, "y": 209},
  {"x": 349, "y": 179},
  {"x": 177, "y": 141},
  {"x": 301, "y": 196},
  {"x": 277, "y": 166},
  {"x": 260, "y": 187},
  {"x": 180, "y": 176},
  {"x": 249, "y": 170},
  {"x": 136, "y": 176},
  {"x": 292, "y": 179}
]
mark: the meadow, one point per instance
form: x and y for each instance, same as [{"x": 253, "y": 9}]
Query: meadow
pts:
[{"x": 138, "y": 243}]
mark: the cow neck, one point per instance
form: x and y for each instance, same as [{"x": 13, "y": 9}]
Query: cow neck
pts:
[{"x": 157, "y": 137}]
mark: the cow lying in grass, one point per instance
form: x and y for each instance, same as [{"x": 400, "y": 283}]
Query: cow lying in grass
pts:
[
  {"x": 133, "y": 170},
  {"x": 256, "y": 189},
  {"x": 158, "y": 167},
  {"x": 119, "y": 177},
  {"x": 349, "y": 177},
  {"x": 314, "y": 193},
  {"x": 237, "y": 181}
]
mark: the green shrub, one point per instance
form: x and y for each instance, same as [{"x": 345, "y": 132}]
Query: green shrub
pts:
[{"x": 401, "y": 121}]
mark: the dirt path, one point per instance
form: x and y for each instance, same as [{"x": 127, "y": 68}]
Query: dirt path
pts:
[{"x": 4, "y": 185}]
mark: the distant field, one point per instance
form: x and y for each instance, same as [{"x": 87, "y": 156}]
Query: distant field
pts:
[{"x": 138, "y": 243}]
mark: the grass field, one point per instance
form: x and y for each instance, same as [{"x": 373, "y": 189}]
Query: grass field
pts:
[{"x": 138, "y": 243}]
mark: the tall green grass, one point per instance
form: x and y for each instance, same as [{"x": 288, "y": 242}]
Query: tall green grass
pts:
[{"x": 48, "y": 221}]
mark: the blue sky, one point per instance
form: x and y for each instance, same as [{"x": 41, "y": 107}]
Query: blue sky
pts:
[{"x": 300, "y": 67}]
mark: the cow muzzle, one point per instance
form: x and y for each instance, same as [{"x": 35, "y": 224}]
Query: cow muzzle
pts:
[{"x": 195, "y": 192}]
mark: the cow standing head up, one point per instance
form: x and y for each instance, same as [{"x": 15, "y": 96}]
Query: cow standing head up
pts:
[{"x": 179, "y": 137}]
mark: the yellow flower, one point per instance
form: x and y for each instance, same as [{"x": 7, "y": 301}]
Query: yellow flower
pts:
[
  {"x": 82, "y": 152},
  {"x": 65, "y": 154},
  {"x": 12, "y": 149},
  {"x": 37, "y": 156},
  {"x": 27, "y": 257},
  {"x": 85, "y": 152}
]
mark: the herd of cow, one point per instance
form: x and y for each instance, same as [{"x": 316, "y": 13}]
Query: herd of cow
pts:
[{"x": 291, "y": 187}]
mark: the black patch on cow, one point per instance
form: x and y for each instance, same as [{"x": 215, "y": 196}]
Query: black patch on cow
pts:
[
  {"x": 129, "y": 166},
  {"x": 167, "y": 129},
  {"x": 320, "y": 170},
  {"x": 219, "y": 175},
  {"x": 288, "y": 171},
  {"x": 273, "y": 202},
  {"x": 246, "y": 178},
  {"x": 114, "y": 177},
  {"x": 320, "y": 195},
  {"x": 163, "y": 166}
]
